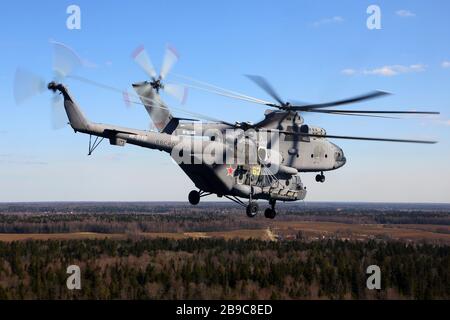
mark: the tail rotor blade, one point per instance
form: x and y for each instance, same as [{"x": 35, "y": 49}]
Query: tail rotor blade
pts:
[
  {"x": 170, "y": 58},
  {"x": 177, "y": 91},
  {"x": 65, "y": 60},
  {"x": 27, "y": 85},
  {"x": 58, "y": 115},
  {"x": 141, "y": 57}
]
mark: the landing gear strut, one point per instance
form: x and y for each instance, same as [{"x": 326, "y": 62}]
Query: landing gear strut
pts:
[
  {"x": 320, "y": 178},
  {"x": 252, "y": 209},
  {"x": 270, "y": 213}
]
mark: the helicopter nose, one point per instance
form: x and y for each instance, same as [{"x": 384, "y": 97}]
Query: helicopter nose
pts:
[{"x": 340, "y": 158}]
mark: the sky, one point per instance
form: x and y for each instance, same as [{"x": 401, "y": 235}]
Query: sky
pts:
[{"x": 309, "y": 50}]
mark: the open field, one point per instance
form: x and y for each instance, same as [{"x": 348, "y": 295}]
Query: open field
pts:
[
  {"x": 314, "y": 221},
  {"x": 275, "y": 231}
]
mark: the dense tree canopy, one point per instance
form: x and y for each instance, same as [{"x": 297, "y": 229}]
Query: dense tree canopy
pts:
[{"x": 215, "y": 268}]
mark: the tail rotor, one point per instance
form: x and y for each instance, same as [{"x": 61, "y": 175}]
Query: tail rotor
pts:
[
  {"x": 28, "y": 85},
  {"x": 142, "y": 59}
]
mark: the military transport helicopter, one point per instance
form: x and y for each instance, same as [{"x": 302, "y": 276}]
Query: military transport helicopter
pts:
[{"x": 263, "y": 172}]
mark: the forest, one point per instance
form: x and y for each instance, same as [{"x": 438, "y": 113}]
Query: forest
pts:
[{"x": 222, "y": 269}]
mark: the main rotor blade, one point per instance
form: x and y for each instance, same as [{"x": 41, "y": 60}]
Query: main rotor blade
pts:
[
  {"x": 153, "y": 104},
  {"x": 357, "y": 138},
  {"x": 352, "y": 114},
  {"x": 374, "y": 111},
  {"x": 170, "y": 58},
  {"x": 364, "y": 97},
  {"x": 140, "y": 56},
  {"x": 265, "y": 85},
  {"x": 150, "y": 101},
  {"x": 27, "y": 85},
  {"x": 202, "y": 85}
]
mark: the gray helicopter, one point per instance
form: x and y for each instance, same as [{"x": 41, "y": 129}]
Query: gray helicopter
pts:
[{"x": 238, "y": 160}]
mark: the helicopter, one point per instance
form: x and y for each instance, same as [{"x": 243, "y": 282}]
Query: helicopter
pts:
[{"x": 241, "y": 160}]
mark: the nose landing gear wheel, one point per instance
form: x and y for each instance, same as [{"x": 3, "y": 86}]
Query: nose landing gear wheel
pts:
[
  {"x": 194, "y": 197},
  {"x": 252, "y": 209},
  {"x": 320, "y": 178},
  {"x": 270, "y": 213}
]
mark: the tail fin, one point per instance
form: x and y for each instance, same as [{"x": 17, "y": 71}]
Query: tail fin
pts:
[
  {"x": 158, "y": 111},
  {"x": 76, "y": 117}
]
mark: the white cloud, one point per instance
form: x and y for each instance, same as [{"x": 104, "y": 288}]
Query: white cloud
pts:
[
  {"x": 387, "y": 71},
  {"x": 335, "y": 19},
  {"x": 405, "y": 13},
  {"x": 445, "y": 64},
  {"x": 349, "y": 72}
]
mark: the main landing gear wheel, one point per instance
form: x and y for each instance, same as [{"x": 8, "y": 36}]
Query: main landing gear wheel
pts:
[
  {"x": 252, "y": 209},
  {"x": 320, "y": 178},
  {"x": 194, "y": 197},
  {"x": 270, "y": 213}
]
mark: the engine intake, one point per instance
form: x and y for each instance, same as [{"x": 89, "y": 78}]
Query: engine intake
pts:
[{"x": 313, "y": 130}]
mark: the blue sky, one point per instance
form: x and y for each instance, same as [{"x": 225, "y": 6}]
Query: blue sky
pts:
[{"x": 309, "y": 50}]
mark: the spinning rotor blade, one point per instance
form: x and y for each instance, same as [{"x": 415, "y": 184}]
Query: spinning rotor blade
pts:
[
  {"x": 355, "y": 115},
  {"x": 27, "y": 85},
  {"x": 356, "y": 138},
  {"x": 58, "y": 115},
  {"x": 65, "y": 60},
  {"x": 300, "y": 106},
  {"x": 170, "y": 58},
  {"x": 265, "y": 85},
  {"x": 155, "y": 104},
  {"x": 141, "y": 57},
  {"x": 364, "y": 97},
  {"x": 96, "y": 84},
  {"x": 362, "y": 112},
  {"x": 177, "y": 91},
  {"x": 201, "y": 85}
]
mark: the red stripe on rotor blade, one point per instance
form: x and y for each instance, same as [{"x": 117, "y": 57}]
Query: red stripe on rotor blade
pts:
[
  {"x": 126, "y": 98},
  {"x": 137, "y": 51},
  {"x": 173, "y": 50}
]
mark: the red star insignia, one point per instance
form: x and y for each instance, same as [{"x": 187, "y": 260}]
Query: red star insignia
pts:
[{"x": 230, "y": 171}]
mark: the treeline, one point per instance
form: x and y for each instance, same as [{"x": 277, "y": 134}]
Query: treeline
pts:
[
  {"x": 126, "y": 223},
  {"x": 219, "y": 269},
  {"x": 119, "y": 217},
  {"x": 202, "y": 220}
]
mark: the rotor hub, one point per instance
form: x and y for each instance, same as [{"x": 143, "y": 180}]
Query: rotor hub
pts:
[{"x": 157, "y": 84}]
